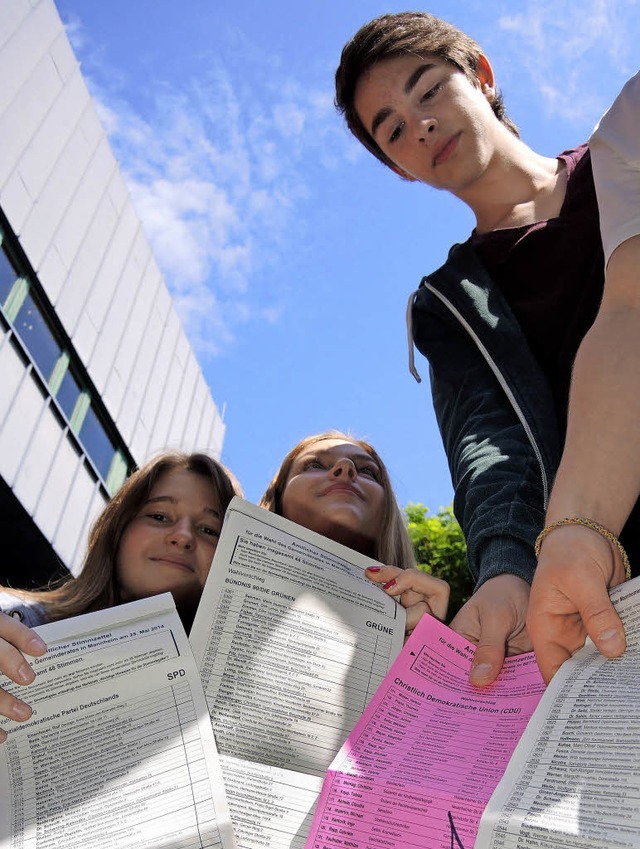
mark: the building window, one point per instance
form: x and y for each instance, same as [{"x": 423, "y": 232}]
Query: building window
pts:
[
  {"x": 95, "y": 440},
  {"x": 8, "y": 276},
  {"x": 64, "y": 386},
  {"x": 36, "y": 334},
  {"x": 32, "y": 323}
]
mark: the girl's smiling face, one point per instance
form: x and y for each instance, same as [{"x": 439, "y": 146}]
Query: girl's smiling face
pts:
[
  {"x": 334, "y": 488},
  {"x": 169, "y": 545}
]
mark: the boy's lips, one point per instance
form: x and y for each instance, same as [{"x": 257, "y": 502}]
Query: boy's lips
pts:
[{"x": 445, "y": 150}]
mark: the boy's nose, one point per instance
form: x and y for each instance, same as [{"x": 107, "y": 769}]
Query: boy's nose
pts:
[{"x": 425, "y": 127}]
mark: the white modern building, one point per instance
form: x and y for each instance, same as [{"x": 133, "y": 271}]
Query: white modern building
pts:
[{"x": 96, "y": 373}]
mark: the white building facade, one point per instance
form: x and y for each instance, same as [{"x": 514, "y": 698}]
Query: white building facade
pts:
[{"x": 96, "y": 373}]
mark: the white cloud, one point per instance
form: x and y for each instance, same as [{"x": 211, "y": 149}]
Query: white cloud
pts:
[
  {"x": 219, "y": 177},
  {"x": 75, "y": 32},
  {"x": 566, "y": 46},
  {"x": 289, "y": 119}
]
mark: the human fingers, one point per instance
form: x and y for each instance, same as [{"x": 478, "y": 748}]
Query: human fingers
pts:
[
  {"x": 423, "y": 589},
  {"x": 12, "y": 708},
  {"x": 603, "y": 625},
  {"x": 382, "y": 574},
  {"x": 489, "y": 655},
  {"x": 417, "y": 592},
  {"x": 490, "y": 650},
  {"x": 494, "y": 619},
  {"x": 414, "y": 587},
  {"x": 559, "y": 624},
  {"x": 414, "y": 614},
  {"x": 387, "y": 577},
  {"x": 570, "y": 599},
  {"x": 556, "y": 629},
  {"x": 16, "y": 640}
]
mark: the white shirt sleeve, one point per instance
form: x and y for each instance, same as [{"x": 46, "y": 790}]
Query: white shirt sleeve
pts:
[{"x": 615, "y": 155}]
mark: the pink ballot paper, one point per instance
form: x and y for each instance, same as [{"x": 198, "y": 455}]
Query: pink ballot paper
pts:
[{"x": 423, "y": 760}]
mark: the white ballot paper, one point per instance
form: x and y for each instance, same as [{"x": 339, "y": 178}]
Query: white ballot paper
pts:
[
  {"x": 574, "y": 778},
  {"x": 119, "y": 751},
  {"x": 292, "y": 641}
]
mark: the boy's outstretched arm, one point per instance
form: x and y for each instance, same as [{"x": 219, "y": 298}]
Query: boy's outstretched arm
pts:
[
  {"x": 598, "y": 479},
  {"x": 599, "y": 475}
]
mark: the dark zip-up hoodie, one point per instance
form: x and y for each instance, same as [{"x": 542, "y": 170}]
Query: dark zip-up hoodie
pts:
[{"x": 495, "y": 412}]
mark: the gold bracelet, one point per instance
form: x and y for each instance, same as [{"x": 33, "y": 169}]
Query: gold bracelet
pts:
[{"x": 587, "y": 523}]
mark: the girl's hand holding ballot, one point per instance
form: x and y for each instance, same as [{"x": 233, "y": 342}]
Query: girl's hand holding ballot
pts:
[{"x": 417, "y": 591}]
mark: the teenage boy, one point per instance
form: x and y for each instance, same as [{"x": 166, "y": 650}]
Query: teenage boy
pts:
[{"x": 500, "y": 322}]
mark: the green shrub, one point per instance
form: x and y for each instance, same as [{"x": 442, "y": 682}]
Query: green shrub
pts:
[{"x": 440, "y": 549}]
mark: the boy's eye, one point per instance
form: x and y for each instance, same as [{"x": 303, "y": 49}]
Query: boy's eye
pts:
[
  {"x": 397, "y": 132},
  {"x": 210, "y": 532},
  {"x": 430, "y": 93}
]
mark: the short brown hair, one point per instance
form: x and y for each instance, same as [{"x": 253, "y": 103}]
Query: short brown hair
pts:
[
  {"x": 403, "y": 34},
  {"x": 392, "y": 546}
]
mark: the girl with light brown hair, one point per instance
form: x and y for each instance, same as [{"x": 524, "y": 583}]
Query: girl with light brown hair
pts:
[
  {"x": 157, "y": 534},
  {"x": 339, "y": 487}
]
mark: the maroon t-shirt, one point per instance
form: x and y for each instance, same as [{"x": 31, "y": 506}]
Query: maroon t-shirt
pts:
[{"x": 552, "y": 275}]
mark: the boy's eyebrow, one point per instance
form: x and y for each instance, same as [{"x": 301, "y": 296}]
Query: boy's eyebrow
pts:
[
  {"x": 415, "y": 76},
  {"x": 382, "y": 114}
]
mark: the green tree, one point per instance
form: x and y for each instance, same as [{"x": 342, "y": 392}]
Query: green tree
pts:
[{"x": 440, "y": 549}]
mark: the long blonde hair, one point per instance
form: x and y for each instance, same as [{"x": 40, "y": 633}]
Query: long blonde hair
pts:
[
  {"x": 96, "y": 587},
  {"x": 392, "y": 545}
]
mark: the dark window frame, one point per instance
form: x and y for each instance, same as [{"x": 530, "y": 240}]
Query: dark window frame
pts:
[{"x": 17, "y": 258}]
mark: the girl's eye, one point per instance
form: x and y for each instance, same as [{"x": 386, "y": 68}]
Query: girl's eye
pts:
[
  {"x": 157, "y": 517},
  {"x": 313, "y": 464},
  {"x": 210, "y": 532},
  {"x": 397, "y": 132},
  {"x": 370, "y": 471}
]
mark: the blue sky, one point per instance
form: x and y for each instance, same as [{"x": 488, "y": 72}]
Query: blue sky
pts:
[{"x": 289, "y": 250}]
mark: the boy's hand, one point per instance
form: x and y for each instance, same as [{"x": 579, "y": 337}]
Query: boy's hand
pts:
[
  {"x": 494, "y": 619},
  {"x": 570, "y": 599}
]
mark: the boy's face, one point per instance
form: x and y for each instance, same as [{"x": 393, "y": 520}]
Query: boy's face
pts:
[{"x": 430, "y": 119}]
